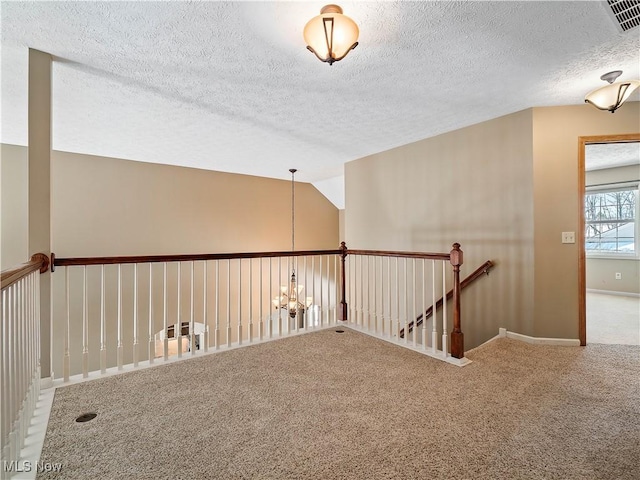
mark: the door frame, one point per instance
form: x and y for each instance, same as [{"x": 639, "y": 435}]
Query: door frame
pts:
[{"x": 582, "y": 264}]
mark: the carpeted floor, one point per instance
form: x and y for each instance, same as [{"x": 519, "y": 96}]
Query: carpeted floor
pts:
[
  {"x": 347, "y": 406},
  {"x": 613, "y": 319}
]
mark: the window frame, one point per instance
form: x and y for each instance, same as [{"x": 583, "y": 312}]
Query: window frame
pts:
[{"x": 612, "y": 188}]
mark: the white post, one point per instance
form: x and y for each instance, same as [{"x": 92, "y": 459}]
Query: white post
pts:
[
  {"x": 178, "y": 328},
  {"x": 205, "y": 315},
  {"x": 216, "y": 333},
  {"x": 152, "y": 344},
  {"x": 250, "y": 332},
  {"x": 260, "y": 317},
  {"x": 229, "y": 303},
  {"x": 120, "y": 350},
  {"x": 192, "y": 323},
  {"x": 135, "y": 315},
  {"x": 165, "y": 313},
  {"x": 445, "y": 342},
  {"x": 85, "y": 325},
  {"x": 239, "y": 301},
  {"x": 66, "y": 363},
  {"x": 434, "y": 330},
  {"x": 414, "y": 318},
  {"x": 270, "y": 326},
  {"x": 406, "y": 301},
  {"x": 103, "y": 332},
  {"x": 424, "y": 305}
]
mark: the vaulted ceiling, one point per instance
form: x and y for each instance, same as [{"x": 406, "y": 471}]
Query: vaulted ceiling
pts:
[{"x": 229, "y": 86}]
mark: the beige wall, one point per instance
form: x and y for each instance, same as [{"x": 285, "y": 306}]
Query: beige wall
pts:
[
  {"x": 472, "y": 186},
  {"x": 601, "y": 271},
  {"x": 556, "y": 206},
  {"x": 14, "y": 206},
  {"x": 105, "y": 206},
  {"x": 505, "y": 189}
]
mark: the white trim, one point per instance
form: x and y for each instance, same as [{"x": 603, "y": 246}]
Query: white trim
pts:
[
  {"x": 566, "y": 342},
  {"x": 611, "y": 292},
  {"x": 34, "y": 440},
  {"x": 460, "y": 362}
]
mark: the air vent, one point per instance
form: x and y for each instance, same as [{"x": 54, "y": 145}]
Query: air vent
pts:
[{"x": 626, "y": 13}]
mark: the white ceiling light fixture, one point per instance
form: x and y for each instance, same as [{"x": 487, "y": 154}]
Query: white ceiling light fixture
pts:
[
  {"x": 613, "y": 95},
  {"x": 331, "y": 35}
]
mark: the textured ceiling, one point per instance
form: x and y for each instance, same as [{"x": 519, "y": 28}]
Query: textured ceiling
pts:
[
  {"x": 229, "y": 86},
  {"x": 608, "y": 155}
]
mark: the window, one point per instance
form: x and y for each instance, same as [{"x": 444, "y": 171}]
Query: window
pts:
[{"x": 610, "y": 221}]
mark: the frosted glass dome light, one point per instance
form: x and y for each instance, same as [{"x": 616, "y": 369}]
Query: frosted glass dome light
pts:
[
  {"x": 612, "y": 96},
  {"x": 331, "y": 35}
]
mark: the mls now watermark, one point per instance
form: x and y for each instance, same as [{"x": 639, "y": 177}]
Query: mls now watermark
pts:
[{"x": 28, "y": 466}]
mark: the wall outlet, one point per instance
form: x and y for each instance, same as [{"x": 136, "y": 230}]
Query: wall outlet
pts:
[
  {"x": 568, "y": 237},
  {"x": 618, "y": 276}
]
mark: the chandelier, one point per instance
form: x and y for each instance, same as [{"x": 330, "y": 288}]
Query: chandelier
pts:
[{"x": 290, "y": 297}]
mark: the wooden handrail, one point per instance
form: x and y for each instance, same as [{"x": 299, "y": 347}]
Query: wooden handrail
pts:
[
  {"x": 39, "y": 261},
  {"x": 392, "y": 253},
  {"x": 59, "y": 262},
  {"x": 477, "y": 273}
]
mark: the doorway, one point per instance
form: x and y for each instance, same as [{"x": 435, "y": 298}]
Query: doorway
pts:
[{"x": 610, "y": 239}]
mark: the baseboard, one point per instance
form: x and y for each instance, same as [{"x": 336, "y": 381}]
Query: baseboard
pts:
[
  {"x": 567, "y": 342},
  {"x": 609, "y": 292}
]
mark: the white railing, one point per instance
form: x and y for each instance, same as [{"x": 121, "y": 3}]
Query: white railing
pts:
[
  {"x": 391, "y": 292},
  {"x": 19, "y": 358},
  {"x": 113, "y": 314},
  {"x": 117, "y": 313}
]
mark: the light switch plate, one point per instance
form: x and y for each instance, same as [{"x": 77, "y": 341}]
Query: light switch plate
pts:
[{"x": 568, "y": 237}]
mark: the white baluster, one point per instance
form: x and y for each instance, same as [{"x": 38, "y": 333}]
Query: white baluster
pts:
[
  {"x": 120, "y": 350},
  {"x": 165, "y": 313},
  {"x": 424, "y": 305},
  {"x": 239, "y": 301},
  {"x": 445, "y": 343},
  {"x": 414, "y": 317},
  {"x": 280, "y": 309},
  {"x": 250, "y": 332},
  {"x": 192, "y": 324},
  {"x": 103, "y": 332},
  {"x": 204, "y": 307},
  {"x": 260, "y": 317},
  {"x": 216, "y": 333},
  {"x": 229, "y": 303},
  {"x": 406, "y": 301},
  {"x": 85, "y": 325},
  {"x": 434, "y": 329},
  {"x": 178, "y": 328},
  {"x": 152, "y": 344},
  {"x": 66, "y": 362},
  {"x": 270, "y": 320},
  {"x": 135, "y": 315},
  {"x": 397, "y": 322}
]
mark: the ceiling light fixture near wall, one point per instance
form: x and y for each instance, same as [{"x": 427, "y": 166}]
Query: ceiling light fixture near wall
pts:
[
  {"x": 613, "y": 95},
  {"x": 331, "y": 35}
]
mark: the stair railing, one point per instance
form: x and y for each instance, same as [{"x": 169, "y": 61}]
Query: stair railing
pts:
[
  {"x": 19, "y": 356},
  {"x": 483, "y": 269}
]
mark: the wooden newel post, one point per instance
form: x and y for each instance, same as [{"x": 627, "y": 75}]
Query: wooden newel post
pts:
[
  {"x": 342, "y": 315},
  {"x": 457, "y": 338}
]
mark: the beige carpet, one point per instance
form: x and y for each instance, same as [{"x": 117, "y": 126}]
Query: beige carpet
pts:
[
  {"x": 347, "y": 406},
  {"x": 613, "y": 319}
]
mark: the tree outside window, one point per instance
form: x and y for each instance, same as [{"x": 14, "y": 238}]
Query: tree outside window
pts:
[{"x": 610, "y": 221}]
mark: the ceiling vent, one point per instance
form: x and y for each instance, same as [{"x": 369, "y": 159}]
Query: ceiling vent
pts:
[{"x": 626, "y": 13}]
